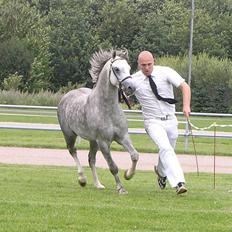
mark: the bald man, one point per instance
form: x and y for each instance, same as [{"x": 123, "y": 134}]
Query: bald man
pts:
[{"x": 159, "y": 115}]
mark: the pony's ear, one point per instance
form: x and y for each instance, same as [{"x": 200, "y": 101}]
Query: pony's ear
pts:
[
  {"x": 114, "y": 54},
  {"x": 125, "y": 52}
]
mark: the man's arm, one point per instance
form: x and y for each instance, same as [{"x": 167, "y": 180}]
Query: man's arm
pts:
[{"x": 186, "y": 92}]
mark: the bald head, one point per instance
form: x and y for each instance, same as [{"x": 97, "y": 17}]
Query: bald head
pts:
[
  {"x": 146, "y": 62},
  {"x": 145, "y": 55}
]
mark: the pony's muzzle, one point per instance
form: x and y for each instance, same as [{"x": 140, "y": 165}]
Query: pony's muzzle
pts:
[{"x": 127, "y": 85}]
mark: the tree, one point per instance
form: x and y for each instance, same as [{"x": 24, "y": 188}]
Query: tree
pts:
[
  {"x": 15, "y": 57},
  {"x": 117, "y": 22},
  {"x": 205, "y": 37},
  {"x": 72, "y": 43},
  {"x": 164, "y": 31},
  {"x": 211, "y": 82},
  {"x": 18, "y": 20}
]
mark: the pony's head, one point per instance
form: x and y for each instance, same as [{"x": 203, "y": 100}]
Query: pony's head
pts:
[
  {"x": 117, "y": 63},
  {"x": 119, "y": 70}
]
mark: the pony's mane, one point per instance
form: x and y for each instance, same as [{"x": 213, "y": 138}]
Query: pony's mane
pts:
[{"x": 99, "y": 59}]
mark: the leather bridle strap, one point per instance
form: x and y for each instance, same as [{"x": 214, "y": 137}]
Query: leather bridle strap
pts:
[
  {"x": 121, "y": 94},
  {"x": 125, "y": 79},
  {"x": 122, "y": 97}
]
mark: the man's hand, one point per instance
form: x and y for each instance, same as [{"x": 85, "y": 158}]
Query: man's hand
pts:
[{"x": 186, "y": 111}]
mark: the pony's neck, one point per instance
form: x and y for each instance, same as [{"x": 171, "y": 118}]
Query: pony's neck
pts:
[{"x": 106, "y": 91}]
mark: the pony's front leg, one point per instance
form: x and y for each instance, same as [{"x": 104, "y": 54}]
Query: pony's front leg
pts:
[
  {"x": 127, "y": 144},
  {"x": 105, "y": 149}
]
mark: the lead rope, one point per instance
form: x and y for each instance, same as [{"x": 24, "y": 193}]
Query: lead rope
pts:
[
  {"x": 122, "y": 97},
  {"x": 194, "y": 147},
  {"x": 125, "y": 98}
]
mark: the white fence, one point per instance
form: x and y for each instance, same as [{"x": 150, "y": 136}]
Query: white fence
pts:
[{"x": 132, "y": 116}]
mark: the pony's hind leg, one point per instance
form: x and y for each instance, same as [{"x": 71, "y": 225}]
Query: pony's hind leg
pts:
[
  {"x": 104, "y": 147},
  {"x": 70, "y": 141},
  {"x": 127, "y": 144},
  {"x": 92, "y": 161}
]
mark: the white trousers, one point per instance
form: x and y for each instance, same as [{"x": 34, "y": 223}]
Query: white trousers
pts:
[{"x": 165, "y": 134}]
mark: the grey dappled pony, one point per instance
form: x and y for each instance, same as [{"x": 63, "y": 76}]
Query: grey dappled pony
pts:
[{"x": 95, "y": 115}]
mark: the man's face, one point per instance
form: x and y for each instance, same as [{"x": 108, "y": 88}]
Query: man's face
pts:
[{"x": 145, "y": 64}]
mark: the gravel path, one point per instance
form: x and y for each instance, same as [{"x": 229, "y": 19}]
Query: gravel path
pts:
[{"x": 59, "y": 157}]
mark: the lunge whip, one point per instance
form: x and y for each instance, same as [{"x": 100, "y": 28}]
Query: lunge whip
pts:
[{"x": 195, "y": 153}]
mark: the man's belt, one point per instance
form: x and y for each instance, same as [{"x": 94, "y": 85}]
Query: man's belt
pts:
[{"x": 166, "y": 117}]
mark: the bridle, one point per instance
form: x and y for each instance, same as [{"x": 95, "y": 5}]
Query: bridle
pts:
[
  {"x": 111, "y": 69},
  {"x": 121, "y": 94}
]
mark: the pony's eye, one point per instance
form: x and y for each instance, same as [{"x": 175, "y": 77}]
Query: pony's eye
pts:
[{"x": 116, "y": 69}]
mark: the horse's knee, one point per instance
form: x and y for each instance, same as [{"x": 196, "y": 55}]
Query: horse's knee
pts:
[{"x": 135, "y": 156}]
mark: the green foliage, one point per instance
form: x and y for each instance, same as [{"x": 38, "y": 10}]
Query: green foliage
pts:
[
  {"x": 207, "y": 36},
  {"x": 43, "y": 97},
  {"x": 50, "y": 42},
  {"x": 211, "y": 91},
  {"x": 21, "y": 25},
  {"x": 41, "y": 69},
  {"x": 115, "y": 21},
  {"x": 12, "y": 82},
  {"x": 69, "y": 87},
  {"x": 210, "y": 84},
  {"x": 71, "y": 43},
  {"x": 15, "y": 57},
  {"x": 164, "y": 31}
]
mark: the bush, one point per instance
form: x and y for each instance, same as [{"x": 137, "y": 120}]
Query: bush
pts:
[
  {"x": 12, "y": 82},
  {"x": 15, "y": 57},
  {"x": 42, "y": 98},
  {"x": 210, "y": 83}
]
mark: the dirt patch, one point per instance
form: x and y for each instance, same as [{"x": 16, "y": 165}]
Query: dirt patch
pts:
[{"x": 59, "y": 157}]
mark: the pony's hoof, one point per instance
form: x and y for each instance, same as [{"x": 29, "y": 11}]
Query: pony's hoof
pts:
[
  {"x": 100, "y": 186},
  {"x": 128, "y": 175},
  {"x": 122, "y": 191},
  {"x": 82, "y": 181}
]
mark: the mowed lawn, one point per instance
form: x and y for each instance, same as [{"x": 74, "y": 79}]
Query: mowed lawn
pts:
[
  {"x": 39, "y": 198},
  {"x": 51, "y": 139}
]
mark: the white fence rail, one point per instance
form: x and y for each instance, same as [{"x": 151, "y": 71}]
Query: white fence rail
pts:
[{"x": 132, "y": 115}]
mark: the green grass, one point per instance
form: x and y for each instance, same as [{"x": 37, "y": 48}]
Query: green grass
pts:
[
  {"x": 142, "y": 143},
  {"x": 43, "y": 118},
  {"x": 36, "y": 198},
  {"x": 51, "y": 139},
  {"x": 52, "y": 119}
]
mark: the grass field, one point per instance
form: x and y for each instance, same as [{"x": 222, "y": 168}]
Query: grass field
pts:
[
  {"x": 49, "y": 139},
  {"x": 49, "y": 199},
  {"x": 36, "y": 198}
]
